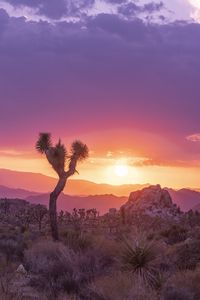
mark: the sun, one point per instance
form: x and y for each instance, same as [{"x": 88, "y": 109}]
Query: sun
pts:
[{"x": 121, "y": 170}]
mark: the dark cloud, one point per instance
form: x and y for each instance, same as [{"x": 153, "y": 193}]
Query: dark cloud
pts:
[
  {"x": 55, "y": 9},
  {"x": 129, "y": 9},
  {"x": 116, "y": 1},
  {"x": 109, "y": 73},
  {"x": 132, "y": 9},
  {"x": 152, "y": 7}
]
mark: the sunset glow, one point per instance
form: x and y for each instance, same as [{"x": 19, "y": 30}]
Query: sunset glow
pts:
[{"x": 98, "y": 73}]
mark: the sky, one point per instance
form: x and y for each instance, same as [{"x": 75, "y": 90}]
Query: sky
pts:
[{"x": 122, "y": 76}]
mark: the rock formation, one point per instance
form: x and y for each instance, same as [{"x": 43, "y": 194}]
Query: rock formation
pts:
[{"x": 152, "y": 201}]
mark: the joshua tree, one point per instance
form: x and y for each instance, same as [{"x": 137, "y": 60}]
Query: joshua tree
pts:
[
  {"x": 57, "y": 156},
  {"x": 38, "y": 213}
]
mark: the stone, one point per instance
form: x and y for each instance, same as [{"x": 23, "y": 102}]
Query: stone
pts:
[
  {"x": 21, "y": 270},
  {"x": 152, "y": 201}
]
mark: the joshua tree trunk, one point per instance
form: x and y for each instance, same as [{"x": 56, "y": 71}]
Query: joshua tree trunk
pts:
[
  {"x": 52, "y": 205},
  {"x": 54, "y": 196}
]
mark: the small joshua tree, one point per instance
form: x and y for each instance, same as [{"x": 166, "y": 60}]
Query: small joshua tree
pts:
[
  {"x": 38, "y": 213},
  {"x": 57, "y": 156}
]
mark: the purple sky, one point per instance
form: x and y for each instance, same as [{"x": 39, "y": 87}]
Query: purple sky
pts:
[{"x": 87, "y": 69}]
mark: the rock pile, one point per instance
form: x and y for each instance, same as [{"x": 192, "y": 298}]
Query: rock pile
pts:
[{"x": 152, "y": 201}]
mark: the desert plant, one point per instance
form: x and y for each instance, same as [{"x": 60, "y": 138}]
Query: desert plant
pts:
[
  {"x": 187, "y": 255},
  {"x": 183, "y": 285},
  {"x": 175, "y": 234},
  {"x": 4, "y": 206},
  {"x": 12, "y": 248},
  {"x": 76, "y": 240},
  {"x": 38, "y": 213},
  {"x": 24, "y": 218},
  {"x": 6, "y": 279},
  {"x": 140, "y": 259},
  {"x": 57, "y": 157},
  {"x": 119, "y": 286},
  {"x": 61, "y": 270}
]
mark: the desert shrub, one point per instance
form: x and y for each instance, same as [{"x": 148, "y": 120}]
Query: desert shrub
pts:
[
  {"x": 175, "y": 234},
  {"x": 51, "y": 265},
  {"x": 172, "y": 293},
  {"x": 76, "y": 240},
  {"x": 119, "y": 286},
  {"x": 187, "y": 255},
  {"x": 12, "y": 247},
  {"x": 60, "y": 269},
  {"x": 107, "y": 246},
  {"x": 5, "y": 280},
  {"x": 183, "y": 285},
  {"x": 140, "y": 258}
]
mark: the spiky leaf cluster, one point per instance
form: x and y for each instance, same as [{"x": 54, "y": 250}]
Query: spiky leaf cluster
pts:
[
  {"x": 60, "y": 155},
  {"x": 79, "y": 150},
  {"x": 44, "y": 142},
  {"x": 57, "y": 157},
  {"x": 140, "y": 260}
]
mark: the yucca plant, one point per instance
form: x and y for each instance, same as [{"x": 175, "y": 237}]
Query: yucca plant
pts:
[
  {"x": 139, "y": 258},
  {"x": 58, "y": 157}
]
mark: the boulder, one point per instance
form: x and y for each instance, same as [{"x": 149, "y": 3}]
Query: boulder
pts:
[
  {"x": 21, "y": 270},
  {"x": 152, "y": 201}
]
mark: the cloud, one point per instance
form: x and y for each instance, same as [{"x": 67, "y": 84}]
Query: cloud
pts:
[
  {"x": 152, "y": 7},
  {"x": 195, "y": 4},
  {"x": 149, "y": 162},
  {"x": 194, "y": 137},
  {"x": 106, "y": 72},
  {"x": 131, "y": 9},
  {"x": 68, "y": 10},
  {"x": 54, "y": 9}
]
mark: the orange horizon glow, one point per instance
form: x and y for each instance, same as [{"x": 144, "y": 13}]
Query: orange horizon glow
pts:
[{"x": 103, "y": 170}]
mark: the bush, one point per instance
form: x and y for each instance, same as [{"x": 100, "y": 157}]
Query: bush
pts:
[
  {"x": 76, "y": 240},
  {"x": 187, "y": 255},
  {"x": 13, "y": 248},
  {"x": 119, "y": 286},
  {"x": 60, "y": 269},
  {"x": 183, "y": 285},
  {"x": 175, "y": 234}
]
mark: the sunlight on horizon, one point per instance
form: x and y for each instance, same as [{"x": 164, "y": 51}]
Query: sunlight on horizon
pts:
[{"x": 176, "y": 177}]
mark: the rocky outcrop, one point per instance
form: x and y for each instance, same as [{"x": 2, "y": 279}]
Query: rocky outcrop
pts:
[{"x": 152, "y": 201}]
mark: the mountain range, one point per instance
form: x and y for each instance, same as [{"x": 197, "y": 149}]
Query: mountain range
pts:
[
  {"x": 43, "y": 184},
  {"x": 80, "y": 193}
]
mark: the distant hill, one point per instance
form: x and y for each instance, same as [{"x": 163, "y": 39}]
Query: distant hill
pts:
[
  {"x": 6, "y": 192},
  {"x": 196, "y": 207},
  {"x": 186, "y": 199},
  {"x": 66, "y": 202},
  {"x": 43, "y": 184},
  {"x": 36, "y": 188},
  {"x": 25, "y": 180}
]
